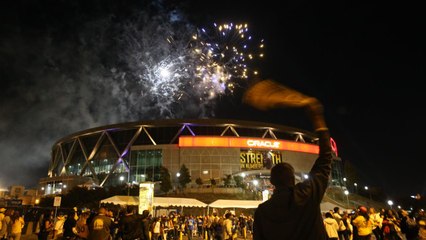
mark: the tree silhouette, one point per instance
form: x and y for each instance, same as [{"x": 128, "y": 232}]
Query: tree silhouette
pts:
[
  {"x": 213, "y": 182},
  {"x": 227, "y": 180},
  {"x": 199, "y": 181},
  {"x": 166, "y": 182},
  {"x": 239, "y": 181},
  {"x": 184, "y": 177}
]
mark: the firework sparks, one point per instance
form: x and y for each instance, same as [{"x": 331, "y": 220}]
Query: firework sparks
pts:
[
  {"x": 224, "y": 54},
  {"x": 175, "y": 64}
]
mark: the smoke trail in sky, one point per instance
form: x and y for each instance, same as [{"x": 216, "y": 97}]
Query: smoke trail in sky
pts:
[
  {"x": 64, "y": 79},
  {"x": 64, "y": 74}
]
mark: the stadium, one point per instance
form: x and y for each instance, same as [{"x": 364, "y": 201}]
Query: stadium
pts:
[{"x": 209, "y": 148}]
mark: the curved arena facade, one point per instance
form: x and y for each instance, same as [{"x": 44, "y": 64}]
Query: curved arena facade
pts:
[{"x": 209, "y": 148}]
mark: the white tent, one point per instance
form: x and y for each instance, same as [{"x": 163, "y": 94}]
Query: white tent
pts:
[
  {"x": 179, "y": 202},
  {"x": 224, "y": 203},
  {"x": 192, "y": 202},
  {"x": 158, "y": 201},
  {"x": 122, "y": 200}
]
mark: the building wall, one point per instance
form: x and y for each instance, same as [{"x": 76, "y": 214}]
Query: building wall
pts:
[
  {"x": 208, "y": 163},
  {"x": 302, "y": 162},
  {"x": 171, "y": 158},
  {"x": 16, "y": 191},
  {"x": 62, "y": 184},
  {"x": 216, "y": 163}
]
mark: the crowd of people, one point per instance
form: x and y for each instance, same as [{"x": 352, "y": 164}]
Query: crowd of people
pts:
[
  {"x": 11, "y": 224},
  {"x": 103, "y": 224},
  {"x": 386, "y": 224},
  {"x": 125, "y": 224}
]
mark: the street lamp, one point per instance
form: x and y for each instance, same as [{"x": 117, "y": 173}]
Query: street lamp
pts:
[
  {"x": 177, "y": 181},
  {"x": 369, "y": 192},
  {"x": 255, "y": 182},
  {"x": 121, "y": 178},
  {"x": 356, "y": 187},
  {"x": 347, "y": 197},
  {"x": 417, "y": 196},
  {"x": 390, "y": 203}
]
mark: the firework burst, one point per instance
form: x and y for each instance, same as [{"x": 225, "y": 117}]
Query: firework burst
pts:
[
  {"x": 225, "y": 53},
  {"x": 180, "y": 67}
]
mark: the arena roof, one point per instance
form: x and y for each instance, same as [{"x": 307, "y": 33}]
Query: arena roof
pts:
[{"x": 224, "y": 127}]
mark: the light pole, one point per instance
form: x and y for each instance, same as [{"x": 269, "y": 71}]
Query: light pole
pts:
[
  {"x": 390, "y": 203},
  {"x": 121, "y": 178},
  {"x": 255, "y": 184},
  {"x": 347, "y": 197},
  {"x": 356, "y": 187},
  {"x": 369, "y": 192},
  {"x": 129, "y": 184},
  {"x": 177, "y": 180}
]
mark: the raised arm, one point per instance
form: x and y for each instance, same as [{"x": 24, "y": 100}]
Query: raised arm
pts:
[{"x": 268, "y": 94}]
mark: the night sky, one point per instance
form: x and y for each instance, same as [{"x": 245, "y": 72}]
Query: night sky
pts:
[{"x": 66, "y": 66}]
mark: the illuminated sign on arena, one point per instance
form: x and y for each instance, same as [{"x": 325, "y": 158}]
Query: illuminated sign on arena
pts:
[
  {"x": 263, "y": 143},
  {"x": 241, "y": 142},
  {"x": 255, "y": 160}
]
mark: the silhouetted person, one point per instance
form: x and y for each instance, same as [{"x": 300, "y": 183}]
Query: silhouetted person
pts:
[
  {"x": 293, "y": 211},
  {"x": 145, "y": 225},
  {"x": 99, "y": 228},
  {"x": 130, "y": 225},
  {"x": 69, "y": 223}
]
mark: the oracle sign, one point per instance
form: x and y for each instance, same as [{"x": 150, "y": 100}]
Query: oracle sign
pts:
[
  {"x": 242, "y": 142},
  {"x": 263, "y": 143}
]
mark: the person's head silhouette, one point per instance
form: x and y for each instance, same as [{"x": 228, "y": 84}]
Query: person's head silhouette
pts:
[{"x": 282, "y": 175}]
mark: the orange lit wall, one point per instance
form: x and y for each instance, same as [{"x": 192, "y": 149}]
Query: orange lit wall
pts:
[{"x": 240, "y": 142}]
